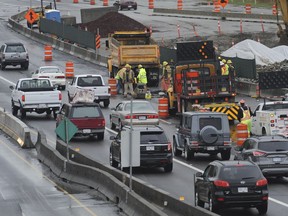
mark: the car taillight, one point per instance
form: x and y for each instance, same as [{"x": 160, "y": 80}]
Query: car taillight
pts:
[
  {"x": 60, "y": 96},
  {"x": 43, "y": 76},
  {"x": 272, "y": 121},
  {"x": 169, "y": 147},
  {"x": 59, "y": 77},
  {"x": 103, "y": 122},
  {"x": 128, "y": 117},
  {"x": 265, "y": 198},
  {"x": 194, "y": 143},
  {"x": 258, "y": 153},
  {"x": 152, "y": 116},
  {"x": 23, "y": 98},
  {"x": 220, "y": 183},
  {"x": 227, "y": 142},
  {"x": 261, "y": 182}
]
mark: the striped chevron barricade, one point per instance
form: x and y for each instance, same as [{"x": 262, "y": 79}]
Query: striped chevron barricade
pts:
[{"x": 232, "y": 112}]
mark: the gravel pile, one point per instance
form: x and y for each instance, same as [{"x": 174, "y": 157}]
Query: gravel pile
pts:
[
  {"x": 280, "y": 66},
  {"x": 110, "y": 22}
]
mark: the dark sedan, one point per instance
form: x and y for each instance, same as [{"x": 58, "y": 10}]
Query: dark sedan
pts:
[
  {"x": 270, "y": 153},
  {"x": 126, "y": 4}
]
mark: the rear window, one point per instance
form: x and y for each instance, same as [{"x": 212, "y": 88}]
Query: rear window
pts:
[
  {"x": 215, "y": 122},
  {"x": 35, "y": 83},
  {"x": 153, "y": 137},
  {"x": 15, "y": 48},
  {"x": 89, "y": 81},
  {"x": 240, "y": 172},
  {"x": 273, "y": 146},
  {"x": 50, "y": 70},
  {"x": 86, "y": 112},
  {"x": 139, "y": 107}
]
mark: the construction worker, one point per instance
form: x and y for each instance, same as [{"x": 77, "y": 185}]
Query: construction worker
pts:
[
  {"x": 231, "y": 68},
  {"x": 128, "y": 79},
  {"x": 166, "y": 76},
  {"x": 142, "y": 77},
  {"x": 119, "y": 78},
  {"x": 244, "y": 115},
  {"x": 225, "y": 70}
]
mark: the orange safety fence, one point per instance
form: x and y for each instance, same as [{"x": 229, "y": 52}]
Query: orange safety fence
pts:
[
  {"x": 69, "y": 71},
  {"x": 48, "y": 53},
  {"x": 163, "y": 108},
  {"x": 113, "y": 86}
]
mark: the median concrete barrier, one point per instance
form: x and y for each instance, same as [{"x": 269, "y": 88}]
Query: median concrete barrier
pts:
[
  {"x": 16, "y": 129},
  {"x": 165, "y": 201}
]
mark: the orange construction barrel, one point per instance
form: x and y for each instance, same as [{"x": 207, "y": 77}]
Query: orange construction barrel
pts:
[
  {"x": 163, "y": 108},
  {"x": 92, "y": 2},
  {"x": 242, "y": 133},
  {"x": 69, "y": 71},
  {"x": 113, "y": 86},
  {"x": 48, "y": 53},
  {"x": 151, "y": 4},
  {"x": 179, "y": 4},
  {"x": 105, "y": 2},
  {"x": 248, "y": 9}
]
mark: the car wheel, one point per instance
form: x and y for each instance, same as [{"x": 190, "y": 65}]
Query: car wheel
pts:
[
  {"x": 54, "y": 114},
  {"x": 14, "y": 110},
  {"x": 197, "y": 201},
  {"x": 262, "y": 209},
  {"x": 264, "y": 133},
  {"x": 188, "y": 154},
  {"x": 135, "y": 8},
  {"x": 113, "y": 163},
  {"x": 113, "y": 126},
  {"x": 168, "y": 168},
  {"x": 120, "y": 8},
  {"x": 100, "y": 136},
  {"x": 120, "y": 126},
  {"x": 211, "y": 205},
  {"x": 176, "y": 151},
  {"x": 225, "y": 155},
  {"x": 106, "y": 103},
  {"x": 63, "y": 87},
  {"x": 3, "y": 66}
]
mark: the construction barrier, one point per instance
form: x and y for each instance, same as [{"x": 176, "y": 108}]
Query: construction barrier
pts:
[
  {"x": 248, "y": 8},
  {"x": 151, "y": 4},
  {"x": 48, "y": 53},
  {"x": 163, "y": 108},
  {"x": 217, "y": 7},
  {"x": 113, "y": 86},
  {"x": 105, "y": 2},
  {"x": 242, "y": 133},
  {"x": 75, "y": 1},
  {"x": 274, "y": 10},
  {"x": 69, "y": 71},
  {"x": 180, "y": 5},
  {"x": 92, "y": 2}
]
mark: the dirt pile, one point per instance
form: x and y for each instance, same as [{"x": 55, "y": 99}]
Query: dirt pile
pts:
[
  {"x": 110, "y": 22},
  {"x": 281, "y": 66}
]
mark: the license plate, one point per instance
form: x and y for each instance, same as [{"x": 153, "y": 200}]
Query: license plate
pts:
[
  {"x": 150, "y": 148},
  {"x": 142, "y": 117},
  {"x": 242, "y": 190},
  {"x": 210, "y": 148},
  {"x": 86, "y": 130},
  {"x": 129, "y": 6},
  {"x": 276, "y": 159},
  {"x": 42, "y": 105}
]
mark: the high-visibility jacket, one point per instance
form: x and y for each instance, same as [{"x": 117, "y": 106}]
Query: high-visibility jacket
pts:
[
  {"x": 246, "y": 119},
  {"x": 225, "y": 69},
  {"x": 142, "y": 78},
  {"x": 128, "y": 76},
  {"x": 120, "y": 74}
]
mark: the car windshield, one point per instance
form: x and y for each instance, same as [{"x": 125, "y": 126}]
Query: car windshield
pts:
[
  {"x": 275, "y": 106},
  {"x": 85, "y": 112},
  {"x": 89, "y": 81},
  {"x": 216, "y": 122},
  {"x": 239, "y": 172},
  {"x": 139, "y": 107},
  {"x": 15, "y": 48},
  {"x": 154, "y": 137},
  {"x": 273, "y": 146},
  {"x": 50, "y": 70}
]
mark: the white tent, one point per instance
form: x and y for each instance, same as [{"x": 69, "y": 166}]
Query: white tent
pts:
[
  {"x": 249, "y": 49},
  {"x": 282, "y": 49}
]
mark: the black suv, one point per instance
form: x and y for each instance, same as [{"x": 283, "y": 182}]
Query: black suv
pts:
[
  {"x": 270, "y": 153},
  {"x": 88, "y": 118},
  {"x": 155, "y": 148},
  {"x": 204, "y": 132},
  {"x": 14, "y": 54},
  {"x": 227, "y": 184}
]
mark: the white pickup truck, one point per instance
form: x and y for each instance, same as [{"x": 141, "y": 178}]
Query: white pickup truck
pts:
[
  {"x": 35, "y": 95},
  {"x": 90, "y": 82},
  {"x": 270, "y": 118}
]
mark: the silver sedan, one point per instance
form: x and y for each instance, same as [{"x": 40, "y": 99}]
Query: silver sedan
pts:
[{"x": 143, "y": 113}]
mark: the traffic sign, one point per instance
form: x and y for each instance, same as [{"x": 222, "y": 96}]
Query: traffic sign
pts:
[
  {"x": 31, "y": 16},
  {"x": 62, "y": 132},
  {"x": 223, "y": 3}
]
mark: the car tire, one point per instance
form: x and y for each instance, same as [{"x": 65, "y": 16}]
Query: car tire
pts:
[
  {"x": 14, "y": 110},
  {"x": 112, "y": 125},
  {"x": 176, "y": 151},
  {"x": 168, "y": 168},
  {"x": 23, "y": 113},
  {"x": 100, "y": 136},
  {"x": 262, "y": 209},
  {"x": 211, "y": 205},
  {"x": 197, "y": 201},
  {"x": 135, "y": 8},
  {"x": 3, "y": 66},
  {"x": 225, "y": 155},
  {"x": 188, "y": 154},
  {"x": 113, "y": 163},
  {"x": 106, "y": 103},
  {"x": 63, "y": 87}
]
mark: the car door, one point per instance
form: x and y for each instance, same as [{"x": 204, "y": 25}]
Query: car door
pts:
[
  {"x": 1, "y": 51},
  {"x": 71, "y": 88},
  {"x": 185, "y": 130},
  {"x": 255, "y": 127},
  {"x": 116, "y": 118},
  {"x": 205, "y": 185}
]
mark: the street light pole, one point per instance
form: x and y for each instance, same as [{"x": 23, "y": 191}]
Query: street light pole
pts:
[{"x": 130, "y": 145}]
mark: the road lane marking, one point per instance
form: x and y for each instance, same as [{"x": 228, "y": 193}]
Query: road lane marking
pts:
[
  {"x": 49, "y": 180},
  {"x": 7, "y": 80},
  {"x": 278, "y": 202},
  {"x": 167, "y": 122}
]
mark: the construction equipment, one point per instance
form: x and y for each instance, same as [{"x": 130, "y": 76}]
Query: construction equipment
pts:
[
  {"x": 134, "y": 48},
  {"x": 196, "y": 79},
  {"x": 283, "y": 33}
]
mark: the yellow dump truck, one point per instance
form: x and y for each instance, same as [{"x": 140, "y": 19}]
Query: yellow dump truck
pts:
[{"x": 134, "y": 48}]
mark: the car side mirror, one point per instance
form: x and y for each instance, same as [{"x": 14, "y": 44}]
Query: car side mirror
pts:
[
  {"x": 112, "y": 137},
  {"x": 11, "y": 87},
  {"x": 199, "y": 175}
]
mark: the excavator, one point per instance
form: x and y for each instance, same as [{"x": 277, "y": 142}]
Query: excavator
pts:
[{"x": 283, "y": 33}]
